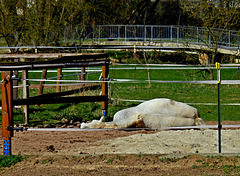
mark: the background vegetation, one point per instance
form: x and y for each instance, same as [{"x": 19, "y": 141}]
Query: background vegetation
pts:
[{"x": 23, "y": 22}]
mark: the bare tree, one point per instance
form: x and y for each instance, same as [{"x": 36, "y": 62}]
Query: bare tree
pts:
[
  {"x": 217, "y": 16},
  {"x": 147, "y": 58},
  {"x": 222, "y": 15},
  {"x": 10, "y": 22},
  {"x": 37, "y": 22}
]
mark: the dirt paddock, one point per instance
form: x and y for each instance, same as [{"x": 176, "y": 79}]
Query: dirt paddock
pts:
[{"x": 125, "y": 152}]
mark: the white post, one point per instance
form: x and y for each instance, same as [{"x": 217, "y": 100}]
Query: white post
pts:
[{"x": 25, "y": 95}]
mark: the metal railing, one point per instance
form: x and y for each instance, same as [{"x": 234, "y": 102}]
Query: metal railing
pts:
[
  {"x": 157, "y": 33},
  {"x": 144, "y": 33}
]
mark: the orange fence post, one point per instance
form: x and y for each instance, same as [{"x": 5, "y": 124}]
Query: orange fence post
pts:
[{"x": 7, "y": 111}]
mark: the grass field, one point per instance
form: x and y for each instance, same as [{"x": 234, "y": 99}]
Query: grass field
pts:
[
  {"x": 187, "y": 93},
  {"x": 197, "y": 95}
]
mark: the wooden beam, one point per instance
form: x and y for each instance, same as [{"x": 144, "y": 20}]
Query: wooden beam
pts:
[
  {"x": 47, "y": 65},
  {"x": 60, "y": 100},
  {"x": 80, "y": 57},
  {"x": 57, "y": 56},
  {"x": 70, "y": 92},
  {"x": 65, "y": 93}
]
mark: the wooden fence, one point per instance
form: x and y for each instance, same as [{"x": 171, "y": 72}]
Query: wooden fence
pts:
[{"x": 57, "y": 61}]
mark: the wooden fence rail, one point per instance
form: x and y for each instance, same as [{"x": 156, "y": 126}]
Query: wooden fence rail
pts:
[{"x": 62, "y": 60}]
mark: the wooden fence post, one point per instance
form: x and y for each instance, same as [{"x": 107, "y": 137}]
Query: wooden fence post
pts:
[
  {"x": 15, "y": 82},
  {"x": 59, "y": 76},
  {"x": 105, "y": 70},
  {"x": 44, "y": 74},
  {"x": 83, "y": 73},
  {"x": 7, "y": 111},
  {"x": 83, "y": 77},
  {"x": 25, "y": 95}
]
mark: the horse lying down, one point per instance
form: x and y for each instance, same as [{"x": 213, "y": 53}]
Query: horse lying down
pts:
[{"x": 156, "y": 113}]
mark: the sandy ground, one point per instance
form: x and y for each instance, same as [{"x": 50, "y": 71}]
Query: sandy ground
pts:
[
  {"x": 124, "y": 142},
  {"x": 117, "y": 152},
  {"x": 173, "y": 142}
]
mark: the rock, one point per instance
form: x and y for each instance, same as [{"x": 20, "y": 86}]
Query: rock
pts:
[{"x": 63, "y": 120}]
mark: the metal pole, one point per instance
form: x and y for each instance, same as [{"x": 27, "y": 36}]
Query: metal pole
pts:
[
  {"x": 151, "y": 34},
  {"x": 99, "y": 34},
  {"x": 177, "y": 35},
  {"x": 125, "y": 42},
  {"x": 219, "y": 121},
  {"x": 118, "y": 32},
  {"x": 219, "y": 107},
  {"x": 145, "y": 33}
]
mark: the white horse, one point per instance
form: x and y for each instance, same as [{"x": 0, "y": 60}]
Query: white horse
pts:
[{"x": 156, "y": 113}]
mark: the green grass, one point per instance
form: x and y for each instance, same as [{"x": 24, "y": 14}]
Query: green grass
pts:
[
  {"x": 165, "y": 159},
  {"x": 187, "y": 93},
  {"x": 232, "y": 167},
  {"x": 7, "y": 161}
]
